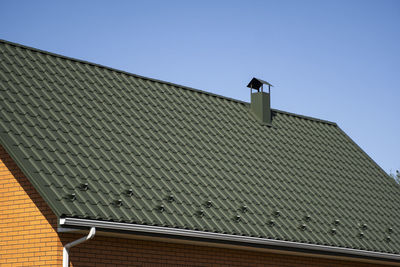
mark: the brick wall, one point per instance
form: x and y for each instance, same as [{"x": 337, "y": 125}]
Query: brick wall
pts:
[
  {"x": 28, "y": 237},
  {"x": 26, "y": 233},
  {"x": 129, "y": 252}
]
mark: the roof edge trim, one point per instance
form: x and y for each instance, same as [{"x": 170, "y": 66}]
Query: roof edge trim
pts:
[
  {"x": 16, "y": 156},
  {"x": 116, "y": 226},
  {"x": 366, "y": 154}
]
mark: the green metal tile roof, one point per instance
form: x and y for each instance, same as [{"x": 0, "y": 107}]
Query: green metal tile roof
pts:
[{"x": 137, "y": 150}]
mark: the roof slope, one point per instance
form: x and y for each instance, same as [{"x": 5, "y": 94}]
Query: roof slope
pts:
[{"x": 156, "y": 153}]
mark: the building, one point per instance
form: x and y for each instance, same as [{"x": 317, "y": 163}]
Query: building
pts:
[{"x": 146, "y": 172}]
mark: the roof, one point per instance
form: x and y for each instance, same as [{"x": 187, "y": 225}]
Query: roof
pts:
[{"x": 98, "y": 143}]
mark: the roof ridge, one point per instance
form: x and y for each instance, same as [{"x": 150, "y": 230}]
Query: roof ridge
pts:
[
  {"x": 305, "y": 117},
  {"x": 156, "y": 80}
]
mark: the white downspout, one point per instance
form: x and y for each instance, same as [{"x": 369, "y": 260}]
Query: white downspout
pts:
[{"x": 74, "y": 243}]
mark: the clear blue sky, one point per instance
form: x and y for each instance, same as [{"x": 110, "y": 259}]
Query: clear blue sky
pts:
[{"x": 334, "y": 60}]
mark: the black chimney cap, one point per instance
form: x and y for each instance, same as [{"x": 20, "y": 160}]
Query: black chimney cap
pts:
[{"x": 256, "y": 83}]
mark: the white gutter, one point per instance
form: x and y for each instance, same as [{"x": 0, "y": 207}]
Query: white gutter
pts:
[
  {"x": 74, "y": 243},
  {"x": 68, "y": 222}
]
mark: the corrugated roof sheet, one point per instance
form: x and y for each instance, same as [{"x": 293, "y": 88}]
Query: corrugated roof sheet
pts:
[{"x": 104, "y": 144}]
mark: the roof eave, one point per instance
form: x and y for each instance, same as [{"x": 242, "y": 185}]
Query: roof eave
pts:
[{"x": 229, "y": 239}]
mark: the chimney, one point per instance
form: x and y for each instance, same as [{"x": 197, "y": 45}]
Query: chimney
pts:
[{"x": 260, "y": 101}]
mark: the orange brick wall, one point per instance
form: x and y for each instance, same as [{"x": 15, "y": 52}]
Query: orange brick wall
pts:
[
  {"x": 26, "y": 233},
  {"x": 130, "y": 252},
  {"x": 28, "y": 237}
]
